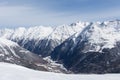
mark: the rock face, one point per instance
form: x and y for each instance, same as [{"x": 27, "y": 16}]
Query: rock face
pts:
[
  {"x": 82, "y": 47},
  {"x": 107, "y": 61},
  {"x": 93, "y": 50},
  {"x": 42, "y": 47}
]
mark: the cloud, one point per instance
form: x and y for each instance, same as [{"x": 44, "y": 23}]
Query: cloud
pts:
[
  {"x": 31, "y": 15},
  {"x": 12, "y": 10},
  {"x": 105, "y": 14}
]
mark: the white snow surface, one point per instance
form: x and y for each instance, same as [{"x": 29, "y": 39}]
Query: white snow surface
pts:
[
  {"x": 7, "y": 46},
  {"x": 100, "y": 35},
  {"x": 8, "y": 43},
  {"x": 15, "y": 72},
  {"x": 40, "y": 32}
]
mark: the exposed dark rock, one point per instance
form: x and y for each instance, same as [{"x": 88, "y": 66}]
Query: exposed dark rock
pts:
[
  {"x": 43, "y": 47},
  {"x": 74, "y": 59}
]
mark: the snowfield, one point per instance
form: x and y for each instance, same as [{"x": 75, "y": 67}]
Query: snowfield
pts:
[{"x": 15, "y": 72}]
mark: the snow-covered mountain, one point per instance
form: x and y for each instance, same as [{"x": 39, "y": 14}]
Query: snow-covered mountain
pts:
[
  {"x": 40, "y": 32},
  {"x": 96, "y": 33},
  {"x": 93, "y": 50},
  {"x": 11, "y": 52},
  {"x": 39, "y": 39},
  {"x": 82, "y": 47}
]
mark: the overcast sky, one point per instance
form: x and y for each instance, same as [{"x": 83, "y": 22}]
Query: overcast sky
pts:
[{"x": 16, "y": 13}]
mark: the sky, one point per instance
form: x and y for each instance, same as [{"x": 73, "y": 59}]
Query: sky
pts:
[{"x": 26, "y": 13}]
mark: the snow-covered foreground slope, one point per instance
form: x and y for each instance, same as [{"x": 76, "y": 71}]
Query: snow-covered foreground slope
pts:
[{"x": 14, "y": 72}]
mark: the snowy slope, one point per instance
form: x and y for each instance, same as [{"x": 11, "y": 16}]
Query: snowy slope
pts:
[
  {"x": 39, "y": 39},
  {"x": 41, "y": 32},
  {"x": 93, "y": 50},
  {"x": 98, "y": 35},
  {"x": 14, "y": 72},
  {"x": 86, "y": 43},
  {"x": 27, "y": 33},
  {"x": 101, "y": 35},
  {"x": 11, "y": 52},
  {"x": 65, "y": 31},
  {"x": 7, "y": 47}
]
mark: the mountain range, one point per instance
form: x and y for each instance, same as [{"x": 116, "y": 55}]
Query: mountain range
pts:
[{"x": 82, "y": 47}]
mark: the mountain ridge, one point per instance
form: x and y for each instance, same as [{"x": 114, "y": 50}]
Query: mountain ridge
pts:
[{"x": 79, "y": 46}]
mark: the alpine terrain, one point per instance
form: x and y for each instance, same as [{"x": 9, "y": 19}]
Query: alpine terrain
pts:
[{"x": 82, "y": 47}]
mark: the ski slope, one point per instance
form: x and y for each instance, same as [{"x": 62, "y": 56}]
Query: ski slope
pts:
[{"x": 15, "y": 72}]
